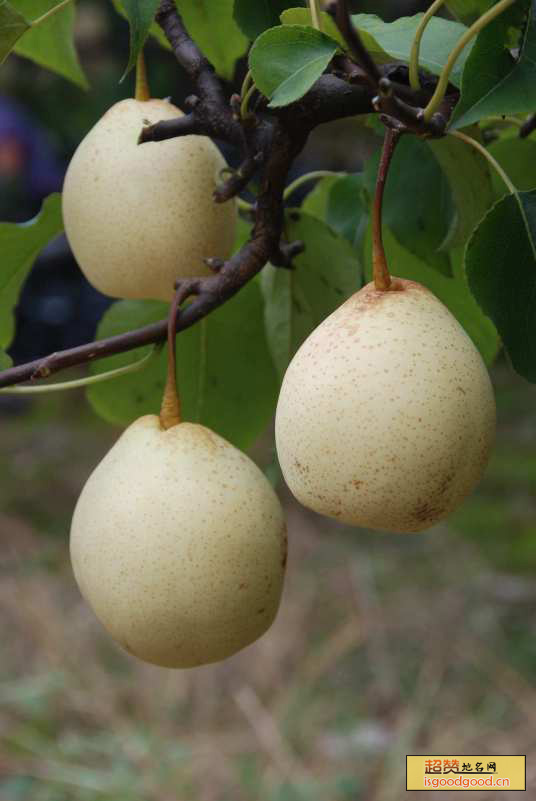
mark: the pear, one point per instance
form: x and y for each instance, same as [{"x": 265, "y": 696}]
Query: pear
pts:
[
  {"x": 138, "y": 217},
  {"x": 178, "y": 542},
  {"x": 386, "y": 415}
]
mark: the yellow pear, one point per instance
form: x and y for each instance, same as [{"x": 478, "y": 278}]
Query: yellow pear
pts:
[
  {"x": 138, "y": 217},
  {"x": 386, "y": 415},
  {"x": 178, "y": 542}
]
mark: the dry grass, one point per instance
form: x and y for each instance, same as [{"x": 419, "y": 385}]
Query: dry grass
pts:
[{"x": 384, "y": 646}]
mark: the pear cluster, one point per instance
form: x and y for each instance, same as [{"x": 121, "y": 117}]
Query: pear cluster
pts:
[
  {"x": 385, "y": 419},
  {"x": 178, "y": 541}
]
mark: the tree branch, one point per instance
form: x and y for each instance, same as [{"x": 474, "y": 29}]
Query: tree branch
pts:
[
  {"x": 170, "y": 129},
  {"x": 528, "y": 127},
  {"x": 269, "y": 143},
  {"x": 189, "y": 56},
  {"x": 344, "y": 23}
]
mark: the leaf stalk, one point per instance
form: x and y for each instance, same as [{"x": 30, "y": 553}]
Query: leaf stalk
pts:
[
  {"x": 316, "y": 19},
  {"x": 309, "y": 176},
  {"x": 487, "y": 155},
  {"x": 476, "y": 27},
  {"x": 414, "y": 81},
  {"x": 87, "y": 381}
]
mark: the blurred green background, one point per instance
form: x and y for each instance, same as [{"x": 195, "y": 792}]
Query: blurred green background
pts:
[{"x": 384, "y": 646}]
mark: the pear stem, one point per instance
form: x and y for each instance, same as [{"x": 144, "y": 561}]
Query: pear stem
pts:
[
  {"x": 142, "y": 84},
  {"x": 170, "y": 411},
  {"x": 380, "y": 270}
]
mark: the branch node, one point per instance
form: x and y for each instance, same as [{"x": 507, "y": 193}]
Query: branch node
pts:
[
  {"x": 285, "y": 254},
  {"x": 169, "y": 129},
  {"x": 437, "y": 124},
  {"x": 215, "y": 264},
  {"x": 186, "y": 288},
  {"x": 385, "y": 87},
  {"x": 392, "y": 122},
  {"x": 42, "y": 371},
  {"x": 240, "y": 178},
  {"x": 191, "y": 102},
  {"x": 235, "y": 102}
]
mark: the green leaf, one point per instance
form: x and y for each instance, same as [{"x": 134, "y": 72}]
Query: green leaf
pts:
[
  {"x": 393, "y": 40},
  {"x": 226, "y": 376},
  {"x": 140, "y": 15},
  {"x": 254, "y": 18},
  {"x": 417, "y": 203},
  {"x": 468, "y": 175},
  {"x": 346, "y": 209},
  {"x": 500, "y": 261},
  {"x": 518, "y": 159},
  {"x": 297, "y": 300},
  {"x": 339, "y": 201},
  {"x": 20, "y": 244},
  {"x": 317, "y": 201},
  {"x": 453, "y": 292},
  {"x": 488, "y": 63},
  {"x": 12, "y": 26},
  {"x": 5, "y": 361},
  {"x": 212, "y": 26},
  {"x": 287, "y": 60},
  {"x": 468, "y": 11},
  {"x": 50, "y": 44},
  {"x": 302, "y": 16},
  {"x": 154, "y": 30},
  {"x": 492, "y": 85},
  {"x": 129, "y": 396}
]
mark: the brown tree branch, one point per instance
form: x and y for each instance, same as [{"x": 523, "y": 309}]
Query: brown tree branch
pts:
[
  {"x": 189, "y": 56},
  {"x": 344, "y": 23},
  {"x": 528, "y": 127}
]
